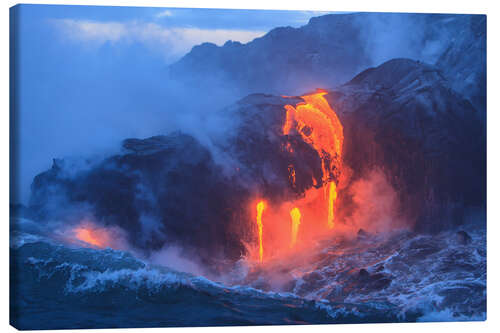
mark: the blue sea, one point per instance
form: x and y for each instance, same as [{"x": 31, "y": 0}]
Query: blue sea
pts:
[{"x": 397, "y": 277}]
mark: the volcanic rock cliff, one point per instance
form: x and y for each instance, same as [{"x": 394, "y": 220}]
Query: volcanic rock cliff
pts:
[
  {"x": 400, "y": 117},
  {"x": 429, "y": 139},
  {"x": 161, "y": 190}
]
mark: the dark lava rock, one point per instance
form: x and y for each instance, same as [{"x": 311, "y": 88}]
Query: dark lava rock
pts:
[
  {"x": 162, "y": 190},
  {"x": 311, "y": 281},
  {"x": 363, "y": 273},
  {"x": 402, "y": 117},
  {"x": 463, "y": 238},
  {"x": 420, "y": 249},
  {"x": 464, "y": 61},
  {"x": 312, "y": 277},
  {"x": 365, "y": 282},
  {"x": 259, "y": 148},
  {"x": 362, "y": 234},
  {"x": 374, "y": 282},
  {"x": 380, "y": 281},
  {"x": 289, "y": 286}
]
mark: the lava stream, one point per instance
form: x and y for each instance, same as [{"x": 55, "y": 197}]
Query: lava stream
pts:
[
  {"x": 295, "y": 214},
  {"x": 319, "y": 126},
  {"x": 332, "y": 197},
  {"x": 260, "y": 209},
  {"x": 313, "y": 212}
]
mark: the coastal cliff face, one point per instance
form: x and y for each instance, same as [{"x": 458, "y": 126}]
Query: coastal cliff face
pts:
[
  {"x": 429, "y": 139},
  {"x": 401, "y": 118}
]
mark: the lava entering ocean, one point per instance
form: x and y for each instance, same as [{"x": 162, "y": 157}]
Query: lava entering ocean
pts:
[
  {"x": 313, "y": 213},
  {"x": 260, "y": 209}
]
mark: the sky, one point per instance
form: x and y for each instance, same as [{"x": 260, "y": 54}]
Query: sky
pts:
[{"x": 88, "y": 77}]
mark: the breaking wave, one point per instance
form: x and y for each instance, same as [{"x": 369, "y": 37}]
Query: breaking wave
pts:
[{"x": 56, "y": 286}]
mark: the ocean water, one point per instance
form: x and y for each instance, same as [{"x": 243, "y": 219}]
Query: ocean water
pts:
[{"x": 399, "y": 277}]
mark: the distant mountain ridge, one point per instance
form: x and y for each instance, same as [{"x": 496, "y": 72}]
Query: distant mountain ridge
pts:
[{"x": 331, "y": 49}]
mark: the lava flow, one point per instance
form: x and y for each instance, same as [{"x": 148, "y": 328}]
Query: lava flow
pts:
[
  {"x": 314, "y": 211},
  {"x": 332, "y": 197},
  {"x": 319, "y": 126},
  {"x": 260, "y": 209},
  {"x": 295, "y": 214}
]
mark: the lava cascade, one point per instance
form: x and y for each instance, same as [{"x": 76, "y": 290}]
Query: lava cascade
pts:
[
  {"x": 332, "y": 197},
  {"x": 314, "y": 211},
  {"x": 319, "y": 126},
  {"x": 260, "y": 209},
  {"x": 295, "y": 215}
]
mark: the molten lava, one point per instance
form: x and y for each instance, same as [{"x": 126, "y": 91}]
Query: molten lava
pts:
[
  {"x": 319, "y": 126},
  {"x": 295, "y": 214},
  {"x": 332, "y": 197},
  {"x": 313, "y": 212},
  {"x": 260, "y": 209}
]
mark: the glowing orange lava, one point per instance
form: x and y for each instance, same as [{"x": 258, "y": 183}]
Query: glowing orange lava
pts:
[
  {"x": 313, "y": 212},
  {"x": 319, "y": 126},
  {"x": 295, "y": 214},
  {"x": 260, "y": 209},
  {"x": 332, "y": 197}
]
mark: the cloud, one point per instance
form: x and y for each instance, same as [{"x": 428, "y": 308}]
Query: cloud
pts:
[
  {"x": 173, "y": 42},
  {"x": 92, "y": 31},
  {"x": 165, "y": 13}
]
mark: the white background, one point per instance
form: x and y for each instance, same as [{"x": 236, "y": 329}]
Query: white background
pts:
[{"x": 491, "y": 8}]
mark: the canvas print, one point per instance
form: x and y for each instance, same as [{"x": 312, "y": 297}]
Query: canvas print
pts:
[{"x": 216, "y": 167}]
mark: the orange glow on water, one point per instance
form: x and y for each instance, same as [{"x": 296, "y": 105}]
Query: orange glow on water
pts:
[
  {"x": 260, "y": 209},
  {"x": 90, "y": 236}
]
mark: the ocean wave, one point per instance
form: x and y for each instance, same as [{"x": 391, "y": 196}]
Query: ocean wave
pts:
[{"x": 403, "y": 282}]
